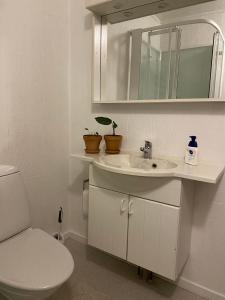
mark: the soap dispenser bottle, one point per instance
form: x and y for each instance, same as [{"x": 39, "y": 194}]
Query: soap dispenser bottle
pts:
[{"x": 191, "y": 156}]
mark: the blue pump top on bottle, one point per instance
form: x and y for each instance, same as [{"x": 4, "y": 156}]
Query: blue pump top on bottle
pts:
[{"x": 193, "y": 142}]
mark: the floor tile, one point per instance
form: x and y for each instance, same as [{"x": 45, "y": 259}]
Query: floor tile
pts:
[{"x": 99, "y": 276}]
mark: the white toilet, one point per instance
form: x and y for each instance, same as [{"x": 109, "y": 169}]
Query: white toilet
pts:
[{"x": 32, "y": 263}]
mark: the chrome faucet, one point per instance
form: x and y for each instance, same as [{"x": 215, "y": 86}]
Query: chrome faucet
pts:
[{"x": 147, "y": 149}]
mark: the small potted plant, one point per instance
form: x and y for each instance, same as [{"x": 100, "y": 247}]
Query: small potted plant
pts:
[
  {"x": 92, "y": 142},
  {"x": 113, "y": 142}
]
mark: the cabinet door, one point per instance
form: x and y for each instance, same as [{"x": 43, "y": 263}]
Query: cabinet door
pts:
[
  {"x": 152, "y": 236},
  {"x": 108, "y": 221}
]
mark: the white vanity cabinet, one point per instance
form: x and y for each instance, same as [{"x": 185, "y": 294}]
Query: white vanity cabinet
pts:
[
  {"x": 146, "y": 221},
  {"x": 108, "y": 221},
  {"x": 153, "y": 235}
]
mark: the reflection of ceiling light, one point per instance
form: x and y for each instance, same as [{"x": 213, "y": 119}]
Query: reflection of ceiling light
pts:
[
  {"x": 163, "y": 5},
  {"x": 118, "y": 5},
  {"x": 127, "y": 14}
]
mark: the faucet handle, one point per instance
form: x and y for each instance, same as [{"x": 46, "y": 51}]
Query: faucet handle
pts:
[
  {"x": 147, "y": 149},
  {"x": 148, "y": 144}
]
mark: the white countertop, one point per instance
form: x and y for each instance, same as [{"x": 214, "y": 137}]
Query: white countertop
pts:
[{"x": 203, "y": 172}]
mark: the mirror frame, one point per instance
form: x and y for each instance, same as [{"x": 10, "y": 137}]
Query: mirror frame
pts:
[{"x": 98, "y": 65}]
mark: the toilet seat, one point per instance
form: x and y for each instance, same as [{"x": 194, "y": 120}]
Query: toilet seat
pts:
[{"x": 33, "y": 260}]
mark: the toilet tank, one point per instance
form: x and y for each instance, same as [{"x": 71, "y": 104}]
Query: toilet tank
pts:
[{"x": 14, "y": 209}]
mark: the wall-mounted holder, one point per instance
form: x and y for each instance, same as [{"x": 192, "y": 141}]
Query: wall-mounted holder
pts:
[{"x": 85, "y": 198}]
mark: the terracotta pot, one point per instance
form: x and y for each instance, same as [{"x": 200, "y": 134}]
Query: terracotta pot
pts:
[
  {"x": 113, "y": 143},
  {"x": 92, "y": 143}
]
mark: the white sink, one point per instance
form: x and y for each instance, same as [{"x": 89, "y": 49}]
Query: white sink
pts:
[
  {"x": 134, "y": 165},
  {"x": 129, "y": 163}
]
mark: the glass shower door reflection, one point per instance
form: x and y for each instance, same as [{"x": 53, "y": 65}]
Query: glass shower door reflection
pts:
[
  {"x": 169, "y": 64},
  {"x": 158, "y": 64}
]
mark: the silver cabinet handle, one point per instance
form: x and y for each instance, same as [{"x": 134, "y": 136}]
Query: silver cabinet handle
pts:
[
  {"x": 122, "y": 208},
  {"x": 130, "y": 210}
]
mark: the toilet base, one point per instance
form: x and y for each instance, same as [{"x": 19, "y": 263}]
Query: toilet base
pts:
[{"x": 16, "y": 294}]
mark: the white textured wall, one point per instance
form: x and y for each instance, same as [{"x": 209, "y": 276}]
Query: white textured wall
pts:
[
  {"x": 168, "y": 127},
  {"x": 33, "y": 100}
]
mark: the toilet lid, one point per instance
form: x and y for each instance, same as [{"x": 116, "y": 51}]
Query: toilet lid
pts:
[{"x": 33, "y": 260}]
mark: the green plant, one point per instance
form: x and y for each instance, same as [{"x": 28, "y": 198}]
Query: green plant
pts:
[
  {"x": 91, "y": 133},
  {"x": 107, "y": 121}
]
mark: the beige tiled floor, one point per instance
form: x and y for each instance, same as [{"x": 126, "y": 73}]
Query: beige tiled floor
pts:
[{"x": 98, "y": 276}]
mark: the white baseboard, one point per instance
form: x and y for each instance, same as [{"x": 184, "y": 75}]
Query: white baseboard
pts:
[
  {"x": 182, "y": 282},
  {"x": 199, "y": 289},
  {"x": 75, "y": 236}
]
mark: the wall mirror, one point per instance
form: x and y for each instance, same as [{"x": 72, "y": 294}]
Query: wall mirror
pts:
[{"x": 176, "y": 55}]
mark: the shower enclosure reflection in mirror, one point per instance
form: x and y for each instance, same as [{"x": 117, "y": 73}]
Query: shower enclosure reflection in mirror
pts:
[{"x": 174, "y": 62}]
